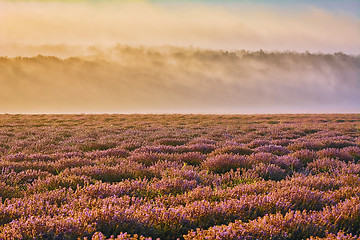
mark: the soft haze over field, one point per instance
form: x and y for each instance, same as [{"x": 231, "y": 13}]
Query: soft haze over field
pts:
[{"x": 90, "y": 72}]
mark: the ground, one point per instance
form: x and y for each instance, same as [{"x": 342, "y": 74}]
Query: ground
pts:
[{"x": 180, "y": 176}]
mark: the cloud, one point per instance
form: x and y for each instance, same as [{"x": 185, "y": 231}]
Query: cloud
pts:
[
  {"x": 173, "y": 79},
  {"x": 184, "y": 23}
]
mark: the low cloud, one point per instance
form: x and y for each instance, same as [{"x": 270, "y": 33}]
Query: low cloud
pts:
[{"x": 175, "y": 79}]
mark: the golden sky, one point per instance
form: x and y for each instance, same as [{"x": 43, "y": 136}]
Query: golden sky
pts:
[{"x": 206, "y": 24}]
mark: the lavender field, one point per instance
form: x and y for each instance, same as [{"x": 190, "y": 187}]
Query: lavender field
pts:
[{"x": 180, "y": 176}]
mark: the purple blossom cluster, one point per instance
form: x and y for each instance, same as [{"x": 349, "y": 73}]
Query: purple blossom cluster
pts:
[{"x": 142, "y": 177}]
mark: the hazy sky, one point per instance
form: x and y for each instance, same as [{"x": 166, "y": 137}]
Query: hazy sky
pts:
[
  {"x": 319, "y": 25},
  {"x": 100, "y": 66}
]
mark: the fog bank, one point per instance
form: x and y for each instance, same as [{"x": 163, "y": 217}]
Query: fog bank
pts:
[{"x": 187, "y": 80}]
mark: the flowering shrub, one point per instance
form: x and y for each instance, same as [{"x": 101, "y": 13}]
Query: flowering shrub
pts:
[
  {"x": 270, "y": 172},
  {"x": 274, "y": 149},
  {"x": 108, "y": 153},
  {"x": 142, "y": 177},
  {"x": 225, "y": 162},
  {"x": 192, "y": 158},
  {"x": 325, "y": 165},
  {"x": 234, "y": 149},
  {"x": 172, "y": 141},
  {"x": 305, "y": 155},
  {"x": 339, "y": 236},
  {"x": 121, "y": 236},
  {"x": 354, "y": 152},
  {"x": 334, "y": 153}
]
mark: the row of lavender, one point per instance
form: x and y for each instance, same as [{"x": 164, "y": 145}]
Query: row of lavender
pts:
[{"x": 179, "y": 176}]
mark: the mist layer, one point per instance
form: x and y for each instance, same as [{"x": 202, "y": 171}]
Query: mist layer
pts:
[{"x": 173, "y": 79}]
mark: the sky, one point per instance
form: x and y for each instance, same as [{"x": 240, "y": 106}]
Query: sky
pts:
[
  {"x": 107, "y": 34},
  {"x": 320, "y": 25}
]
